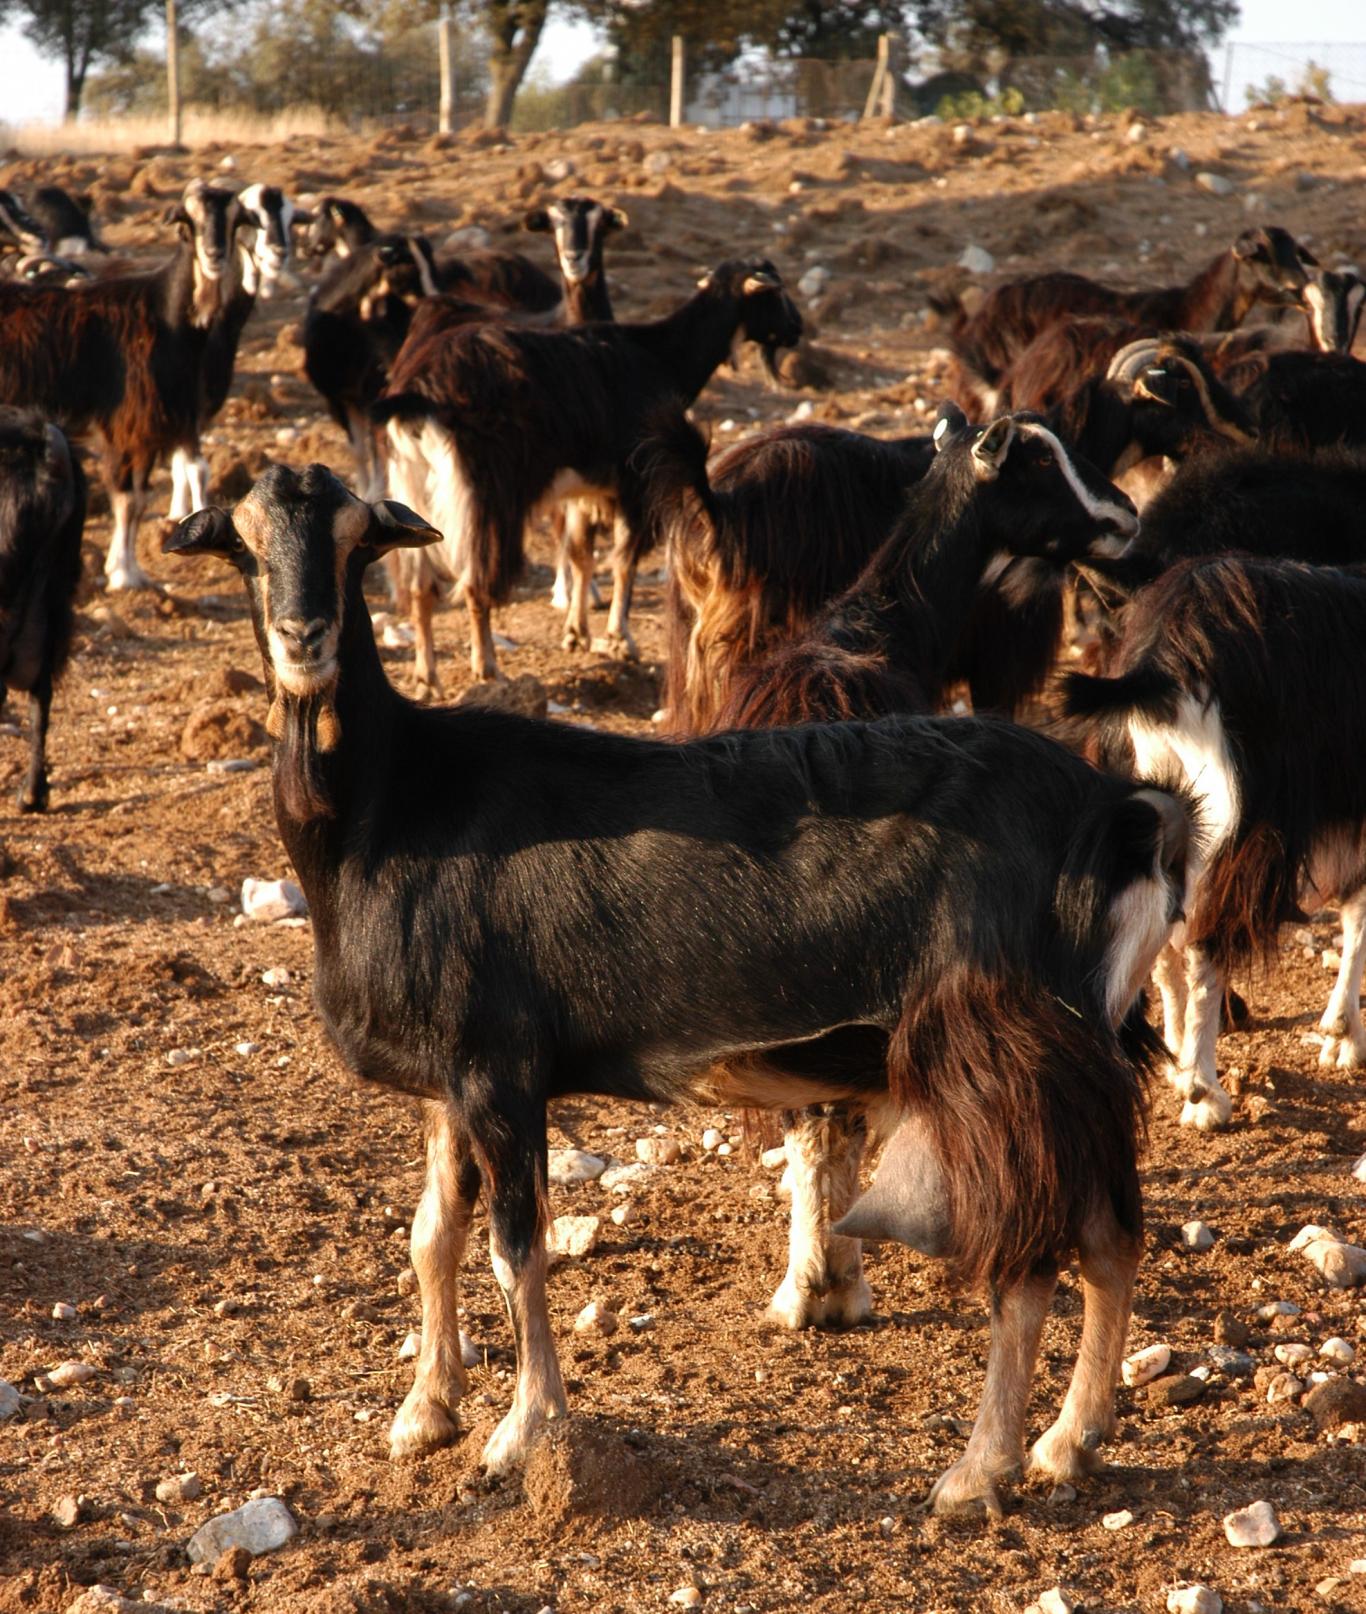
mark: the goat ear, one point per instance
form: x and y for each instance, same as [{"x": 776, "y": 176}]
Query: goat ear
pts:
[
  {"x": 990, "y": 449},
  {"x": 951, "y": 422},
  {"x": 177, "y": 215},
  {"x": 1252, "y": 244},
  {"x": 206, "y": 532},
  {"x": 615, "y": 218},
  {"x": 1157, "y": 384},
  {"x": 395, "y": 526},
  {"x": 537, "y": 221}
]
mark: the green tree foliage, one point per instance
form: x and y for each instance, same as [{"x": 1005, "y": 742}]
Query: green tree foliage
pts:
[
  {"x": 972, "y": 34},
  {"x": 81, "y": 34}
]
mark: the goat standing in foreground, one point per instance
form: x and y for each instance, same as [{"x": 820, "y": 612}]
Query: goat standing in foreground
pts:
[
  {"x": 885, "y": 646},
  {"x": 66, "y": 222},
  {"x": 507, "y": 910},
  {"x": 486, "y": 423},
  {"x": 1263, "y": 265},
  {"x": 1242, "y": 678},
  {"x": 124, "y": 356},
  {"x": 42, "y": 515}
]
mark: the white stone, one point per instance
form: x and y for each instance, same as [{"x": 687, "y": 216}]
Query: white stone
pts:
[
  {"x": 470, "y": 1354},
  {"x": 1359, "y": 1169},
  {"x": 1118, "y": 1521},
  {"x": 1214, "y": 184},
  {"x": 1342, "y": 1265},
  {"x": 182, "y": 1056},
  {"x": 470, "y": 238},
  {"x": 1253, "y": 1526},
  {"x": 1135, "y": 133},
  {"x": 976, "y": 260},
  {"x": 686, "y": 1597},
  {"x": 624, "y": 1214},
  {"x": 277, "y": 976},
  {"x": 1179, "y": 159},
  {"x": 63, "y": 1312},
  {"x": 712, "y": 1139},
  {"x": 410, "y": 1346},
  {"x": 560, "y": 169},
  {"x": 9, "y": 1400},
  {"x": 621, "y": 1179},
  {"x": 1056, "y": 1601},
  {"x": 1196, "y": 1236},
  {"x": 814, "y": 282},
  {"x": 658, "y": 1151},
  {"x": 259, "y": 1526},
  {"x": 1277, "y": 1308},
  {"x": 962, "y": 134},
  {"x": 1292, "y": 1355},
  {"x": 1338, "y": 1350},
  {"x": 775, "y": 1159},
  {"x": 1146, "y": 1364},
  {"x": 264, "y": 901},
  {"x": 568, "y": 1166},
  {"x": 64, "y": 1376},
  {"x": 572, "y": 1236},
  {"x": 596, "y": 1318},
  {"x": 179, "y": 1488},
  {"x": 1284, "y": 1387},
  {"x": 1194, "y": 1600},
  {"x": 244, "y": 1050}
]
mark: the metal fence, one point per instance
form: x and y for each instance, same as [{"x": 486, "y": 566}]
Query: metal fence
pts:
[{"x": 1260, "y": 72}]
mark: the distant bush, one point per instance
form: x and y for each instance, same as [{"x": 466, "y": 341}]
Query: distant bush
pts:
[
  {"x": 954, "y": 108},
  {"x": 1314, "y": 81}
]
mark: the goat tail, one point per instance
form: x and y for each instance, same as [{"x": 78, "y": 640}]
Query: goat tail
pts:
[
  {"x": 1144, "y": 691},
  {"x": 1035, "y": 1112}
]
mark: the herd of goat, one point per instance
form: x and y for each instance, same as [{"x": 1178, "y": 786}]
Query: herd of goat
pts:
[{"x": 821, "y": 894}]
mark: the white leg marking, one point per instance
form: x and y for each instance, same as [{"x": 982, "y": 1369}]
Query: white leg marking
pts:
[
  {"x": 180, "y": 505},
  {"x": 121, "y": 568},
  {"x": 539, "y": 1396},
  {"x": 1207, "y": 1106},
  {"x": 1344, "y": 1035}
]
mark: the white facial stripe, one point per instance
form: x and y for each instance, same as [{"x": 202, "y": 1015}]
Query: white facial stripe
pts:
[
  {"x": 1356, "y": 296},
  {"x": 1319, "y": 308},
  {"x": 1101, "y": 509},
  {"x": 424, "y": 269}
]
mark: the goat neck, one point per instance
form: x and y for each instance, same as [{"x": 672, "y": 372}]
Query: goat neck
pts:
[{"x": 695, "y": 340}]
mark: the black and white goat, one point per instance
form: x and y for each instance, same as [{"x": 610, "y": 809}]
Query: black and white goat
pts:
[
  {"x": 334, "y": 225},
  {"x": 1242, "y": 679},
  {"x": 795, "y": 514},
  {"x": 256, "y": 270},
  {"x": 1263, "y": 265},
  {"x": 123, "y": 357},
  {"x": 42, "y": 516},
  {"x": 66, "y": 222},
  {"x": 488, "y": 422},
  {"x": 20, "y": 232},
  {"x": 959, "y": 910}
]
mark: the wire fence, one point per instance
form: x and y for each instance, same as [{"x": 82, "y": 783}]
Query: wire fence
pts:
[{"x": 1256, "y": 73}]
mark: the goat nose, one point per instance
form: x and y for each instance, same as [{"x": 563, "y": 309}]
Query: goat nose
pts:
[{"x": 303, "y": 639}]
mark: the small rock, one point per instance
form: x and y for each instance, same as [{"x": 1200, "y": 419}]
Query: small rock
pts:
[
  {"x": 1118, "y": 1521},
  {"x": 1338, "y": 1350},
  {"x": 1293, "y": 1355},
  {"x": 259, "y": 1526},
  {"x": 559, "y": 169},
  {"x": 686, "y": 1597},
  {"x": 1283, "y": 1387},
  {"x": 65, "y": 1376},
  {"x": 1277, "y": 1308},
  {"x": 265, "y": 901},
  {"x": 1146, "y": 1365},
  {"x": 1194, "y": 1600},
  {"x": 1252, "y": 1526},
  {"x": 1178, "y": 159},
  {"x": 244, "y": 1050},
  {"x": 1214, "y": 184},
  {"x": 1359, "y": 1169},
  {"x": 182, "y": 1056},
  {"x": 71, "y": 1511},
  {"x": 658, "y": 1151},
  {"x": 569, "y": 1166},
  {"x": 1336, "y": 1402},
  {"x": 624, "y": 1214},
  {"x": 1062, "y": 1493},
  {"x": 277, "y": 976},
  {"x": 179, "y": 1488},
  {"x": 1231, "y": 1330},
  {"x": 814, "y": 282},
  {"x": 232, "y": 1564},
  {"x": 1176, "y": 1390},
  {"x": 1236, "y": 1364},
  {"x": 776, "y": 1159},
  {"x": 1136, "y": 133},
  {"x": 712, "y": 1139},
  {"x": 470, "y": 238},
  {"x": 9, "y": 1400},
  {"x": 103, "y": 1599},
  {"x": 596, "y": 1318},
  {"x": 572, "y": 1236},
  {"x": 63, "y": 1312},
  {"x": 470, "y": 1354},
  {"x": 620, "y": 1179},
  {"x": 1196, "y": 1236},
  {"x": 976, "y": 260},
  {"x": 1056, "y": 1601},
  {"x": 410, "y": 1347},
  {"x": 1342, "y": 1265}
]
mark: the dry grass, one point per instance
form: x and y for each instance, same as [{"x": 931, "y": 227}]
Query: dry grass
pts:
[{"x": 202, "y": 127}]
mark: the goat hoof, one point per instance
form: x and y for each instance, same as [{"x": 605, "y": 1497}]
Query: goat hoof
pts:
[
  {"x": 421, "y": 1425},
  {"x": 126, "y": 577},
  {"x": 33, "y": 801},
  {"x": 1340, "y": 1051},
  {"x": 513, "y": 1438},
  {"x": 791, "y": 1308},
  {"x": 424, "y": 692},
  {"x": 575, "y": 639},
  {"x": 969, "y": 1487},
  {"x": 1211, "y": 1112},
  {"x": 619, "y": 646},
  {"x": 1062, "y": 1457}
]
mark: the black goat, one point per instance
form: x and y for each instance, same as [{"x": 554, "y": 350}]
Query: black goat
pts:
[
  {"x": 335, "y": 225},
  {"x": 791, "y": 525},
  {"x": 42, "y": 516},
  {"x": 20, "y": 232},
  {"x": 1262, "y": 265},
  {"x": 1242, "y": 678},
  {"x": 65, "y": 221},
  {"x": 124, "y": 356},
  {"x": 962, "y": 907},
  {"x": 487, "y": 422},
  {"x": 1300, "y": 401}
]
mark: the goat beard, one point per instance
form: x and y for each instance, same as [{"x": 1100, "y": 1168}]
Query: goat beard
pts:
[{"x": 304, "y": 728}]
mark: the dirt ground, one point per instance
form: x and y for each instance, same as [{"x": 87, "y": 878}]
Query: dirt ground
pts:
[{"x": 187, "y": 1166}]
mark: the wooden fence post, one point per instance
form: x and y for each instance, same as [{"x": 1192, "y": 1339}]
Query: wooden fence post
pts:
[
  {"x": 876, "y": 90},
  {"x": 172, "y": 74},
  {"x": 676, "y": 83},
  {"x": 445, "y": 57}
]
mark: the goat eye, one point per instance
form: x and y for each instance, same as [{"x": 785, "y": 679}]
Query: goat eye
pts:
[{"x": 1045, "y": 460}]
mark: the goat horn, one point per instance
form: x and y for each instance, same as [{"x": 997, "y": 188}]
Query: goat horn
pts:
[{"x": 1131, "y": 360}]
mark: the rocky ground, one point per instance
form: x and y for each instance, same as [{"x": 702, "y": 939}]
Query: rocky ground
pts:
[{"x": 199, "y": 1206}]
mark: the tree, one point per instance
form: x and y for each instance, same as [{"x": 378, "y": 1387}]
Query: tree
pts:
[
  {"x": 82, "y": 33},
  {"x": 969, "y": 33},
  {"x": 847, "y": 30},
  {"x": 514, "y": 30}
]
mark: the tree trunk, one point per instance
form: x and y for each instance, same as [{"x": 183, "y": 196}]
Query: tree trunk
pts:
[
  {"x": 75, "y": 84},
  {"x": 516, "y": 29}
]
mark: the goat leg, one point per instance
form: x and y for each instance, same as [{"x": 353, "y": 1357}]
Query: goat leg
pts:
[
  {"x": 576, "y": 558},
  {"x": 1207, "y": 1106},
  {"x": 33, "y": 792},
  {"x": 1069, "y": 1450},
  {"x": 441, "y": 1225},
  {"x": 824, "y": 1282},
  {"x": 995, "y": 1448},
  {"x": 618, "y": 641},
  {"x": 1344, "y": 1036}
]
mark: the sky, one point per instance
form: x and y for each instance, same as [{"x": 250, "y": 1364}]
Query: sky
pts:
[{"x": 31, "y": 89}]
